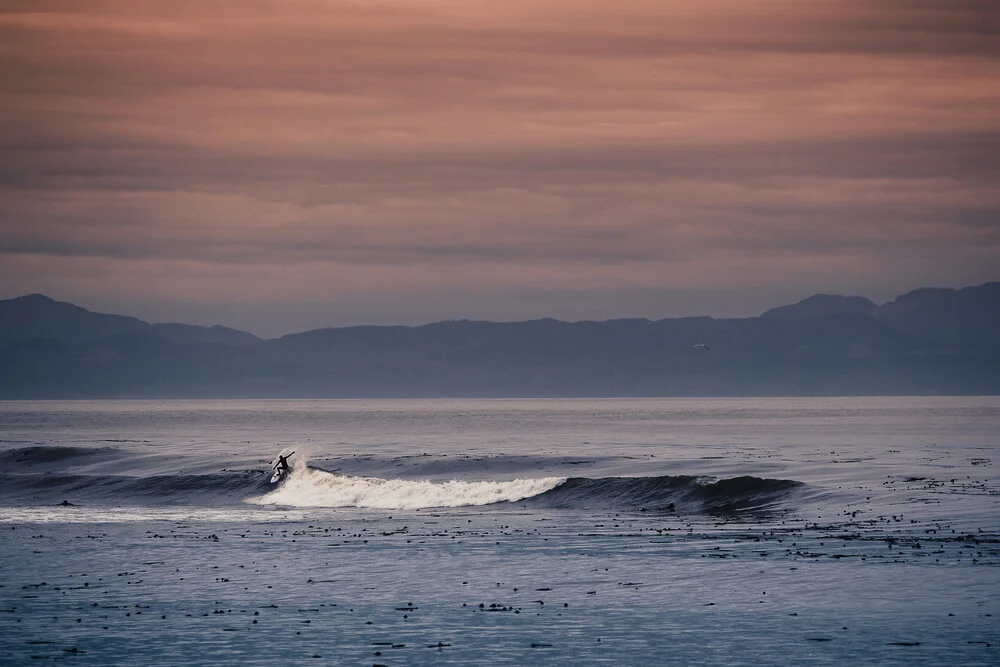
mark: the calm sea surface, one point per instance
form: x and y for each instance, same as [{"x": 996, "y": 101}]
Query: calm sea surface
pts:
[{"x": 663, "y": 531}]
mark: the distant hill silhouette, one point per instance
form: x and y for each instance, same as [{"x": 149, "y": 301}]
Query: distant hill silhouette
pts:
[
  {"x": 957, "y": 318},
  {"x": 822, "y": 304},
  {"x": 929, "y": 341},
  {"x": 38, "y": 316}
]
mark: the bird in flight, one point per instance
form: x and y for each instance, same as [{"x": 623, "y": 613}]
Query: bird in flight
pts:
[{"x": 704, "y": 346}]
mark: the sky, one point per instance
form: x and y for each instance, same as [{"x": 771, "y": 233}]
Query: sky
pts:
[{"x": 282, "y": 165}]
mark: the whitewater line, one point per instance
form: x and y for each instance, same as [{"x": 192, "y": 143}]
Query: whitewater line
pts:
[{"x": 310, "y": 487}]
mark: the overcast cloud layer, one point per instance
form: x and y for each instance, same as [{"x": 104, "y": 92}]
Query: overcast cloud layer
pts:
[{"x": 284, "y": 165}]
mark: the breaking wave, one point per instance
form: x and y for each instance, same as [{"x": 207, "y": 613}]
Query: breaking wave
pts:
[
  {"x": 311, "y": 487},
  {"x": 670, "y": 493},
  {"x": 214, "y": 489},
  {"x": 43, "y": 475}
]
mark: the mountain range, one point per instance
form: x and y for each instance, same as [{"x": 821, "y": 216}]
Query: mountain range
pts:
[{"x": 925, "y": 342}]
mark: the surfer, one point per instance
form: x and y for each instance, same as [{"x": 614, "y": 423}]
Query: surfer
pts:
[{"x": 282, "y": 464}]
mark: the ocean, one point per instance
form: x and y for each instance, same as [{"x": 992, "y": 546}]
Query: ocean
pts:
[{"x": 838, "y": 531}]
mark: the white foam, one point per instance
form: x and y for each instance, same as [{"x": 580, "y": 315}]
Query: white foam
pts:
[{"x": 308, "y": 487}]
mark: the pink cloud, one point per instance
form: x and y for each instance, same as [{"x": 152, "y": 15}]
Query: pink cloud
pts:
[{"x": 226, "y": 151}]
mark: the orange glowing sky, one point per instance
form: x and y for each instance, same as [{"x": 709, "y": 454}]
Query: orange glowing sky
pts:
[{"x": 282, "y": 165}]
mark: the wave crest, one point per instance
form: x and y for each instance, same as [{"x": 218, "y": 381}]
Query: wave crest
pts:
[{"x": 670, "y": 493}]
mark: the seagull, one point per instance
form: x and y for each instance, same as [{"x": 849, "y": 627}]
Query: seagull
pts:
[{"x": 704, "y": 346}]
